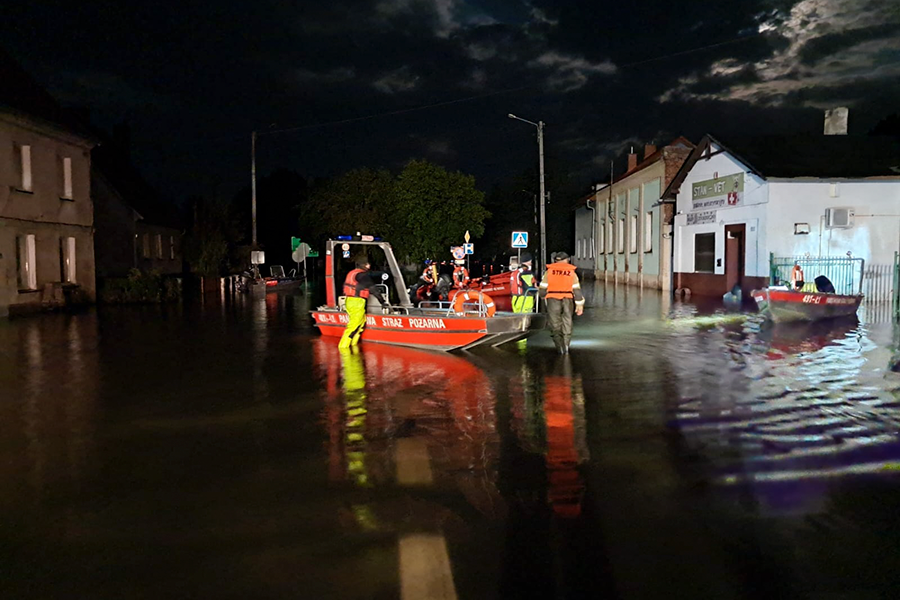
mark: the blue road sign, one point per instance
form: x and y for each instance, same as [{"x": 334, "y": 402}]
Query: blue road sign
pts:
[
  {"x": 519, "y": 239},
  {"x": 470, "y": 248}
]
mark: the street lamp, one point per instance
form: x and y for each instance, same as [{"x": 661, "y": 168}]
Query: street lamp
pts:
[{"x": 540, "y": 135}]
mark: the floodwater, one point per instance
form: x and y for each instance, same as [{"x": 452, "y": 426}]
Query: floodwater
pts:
[{"x": 223, "y": 450}]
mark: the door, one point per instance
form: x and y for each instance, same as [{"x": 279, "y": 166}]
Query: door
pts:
[{"x": 734, "y": 255}]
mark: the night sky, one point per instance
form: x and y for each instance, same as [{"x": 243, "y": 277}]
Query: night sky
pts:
[{"x": 435, "y": 79}]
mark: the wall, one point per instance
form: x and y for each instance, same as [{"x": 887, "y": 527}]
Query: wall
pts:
[
  {"x": 165, "y": 265},
  {"x": 42, "y": 212},
  {"x": 114, "y": 222},
  {"x": 751, "y": 211},
  {"x": 634, "y": 194},
  {"x": 875, "y": 234},
  {"x": 583, "y": 232}
]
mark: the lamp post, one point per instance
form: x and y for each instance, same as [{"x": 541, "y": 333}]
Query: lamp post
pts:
[{"x": 540, "y": 136}]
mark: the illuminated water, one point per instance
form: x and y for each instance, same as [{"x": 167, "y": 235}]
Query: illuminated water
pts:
[{"x": 226, "y": 451}]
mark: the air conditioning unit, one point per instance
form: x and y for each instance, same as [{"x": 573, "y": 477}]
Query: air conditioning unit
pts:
[{"x": 838, "y": 218}]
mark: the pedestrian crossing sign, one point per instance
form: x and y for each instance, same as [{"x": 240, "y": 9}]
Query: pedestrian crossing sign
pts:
[{"x": 519, "y": 239}]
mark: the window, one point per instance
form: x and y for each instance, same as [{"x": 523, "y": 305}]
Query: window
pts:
[
  {"x": 159, "y": 253},
  {"x": 705, "y": 252},
  {"x": 601, "y": 248},
  {"x": 23, "y": 163},
  {"x": 620, "y": 236},
  {"x": 632, "y": 234},
  {"x": 171, "y": 247},
  {"x": 591, "y": 248},
  {"x": 648, "y": 231},
  {"x": 67, "y": 259},
  {"x": 66, "y": 179},
  {"x": 609, "y": 237},
  {"x": 26, "y": 262},
  {"x": 146, "y": 246}
]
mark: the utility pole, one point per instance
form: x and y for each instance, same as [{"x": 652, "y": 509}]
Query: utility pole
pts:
[
  {"x": 253, "y": 184},
  {"x": 540, "y": 129}
]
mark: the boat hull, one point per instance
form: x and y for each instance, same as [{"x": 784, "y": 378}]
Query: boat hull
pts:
[
  {"x": 434, "y": 330},
  {"x": 784, "y": 306}
]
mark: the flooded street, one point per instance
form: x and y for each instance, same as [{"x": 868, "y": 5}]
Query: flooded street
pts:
[{"x": 227, "y": 451}]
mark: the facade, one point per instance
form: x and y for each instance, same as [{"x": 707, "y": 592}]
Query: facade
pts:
[
  {"x": 623, "y": 233},
  {"x": 135, "y": 229},
  {"x": 817, "y": 196},
  {"x": 46, "y": 213}
]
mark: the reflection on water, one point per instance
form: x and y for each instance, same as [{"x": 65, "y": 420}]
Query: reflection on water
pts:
[
  {"x": 729, "y": 454},
  {"x": 794, "y": 406}
]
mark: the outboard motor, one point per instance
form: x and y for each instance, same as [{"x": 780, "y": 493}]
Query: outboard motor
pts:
[
  {"x": 444, "y": 283},
  {"x": 823, "y": 284}
]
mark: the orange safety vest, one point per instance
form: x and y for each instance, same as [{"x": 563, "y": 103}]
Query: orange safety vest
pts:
[
  {"x": 351, "y": 282},
  {"x": 560, "y": 278}
]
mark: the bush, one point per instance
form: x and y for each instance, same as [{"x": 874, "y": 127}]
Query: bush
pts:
[{"x": 140, "y": 287}]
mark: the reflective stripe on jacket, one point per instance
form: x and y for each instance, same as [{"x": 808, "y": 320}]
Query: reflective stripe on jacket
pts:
[{"x": 351, "y": 285}]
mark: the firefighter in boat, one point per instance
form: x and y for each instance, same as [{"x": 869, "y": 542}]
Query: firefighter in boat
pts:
[
  {"x": 522, "y": 286},
  {"x": 797, "y": 277},
  {"x": 358, "y": 286},
  {"x": 460, "y": 275},
  {"x": 421, "y": 290}
]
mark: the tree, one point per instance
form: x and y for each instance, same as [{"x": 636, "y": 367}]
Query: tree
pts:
[
  {"x": 212, "y": 233},
  {"x": 360, "y": 200},
  {"x": 433, "y": 209}
]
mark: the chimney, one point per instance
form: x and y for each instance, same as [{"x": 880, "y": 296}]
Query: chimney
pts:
[
  {"x": 648, "y": 150},
  {"x": 836, "y": 120},
  {"x": 632, "y": 159}
]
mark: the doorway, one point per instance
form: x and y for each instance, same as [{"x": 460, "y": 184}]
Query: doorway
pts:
[{"x": 734, "y": 256}]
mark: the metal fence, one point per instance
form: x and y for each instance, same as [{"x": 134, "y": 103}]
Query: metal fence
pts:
[
  {"x": 844, "y": 272},
  {"x": 895, "y": 300},
  {"x": 879, "y": 284}
]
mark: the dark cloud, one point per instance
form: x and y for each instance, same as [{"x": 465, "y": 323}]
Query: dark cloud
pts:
[
  {"x": 196, "y": 79},
  {"x": 832, "y": 43}
]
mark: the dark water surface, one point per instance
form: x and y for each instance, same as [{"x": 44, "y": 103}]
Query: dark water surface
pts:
[{"x": 224, "y": 450}]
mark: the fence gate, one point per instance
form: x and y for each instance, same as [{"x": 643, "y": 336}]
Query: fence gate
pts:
[{"x": 896, "y": 290}]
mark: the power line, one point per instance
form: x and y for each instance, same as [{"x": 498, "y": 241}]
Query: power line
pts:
[
  {"x": 692, "y": 50},
  {"x": 394, "y": 112}
]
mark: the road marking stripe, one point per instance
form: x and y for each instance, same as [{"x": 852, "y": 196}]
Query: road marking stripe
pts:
[
  {"x": 425, "y": 568},
  {"x": 413, "y": 463}
]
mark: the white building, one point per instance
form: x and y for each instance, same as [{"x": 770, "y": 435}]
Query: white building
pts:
[
  {"x": 738, "y": 202},
  {"x": 623, "y": 233}
]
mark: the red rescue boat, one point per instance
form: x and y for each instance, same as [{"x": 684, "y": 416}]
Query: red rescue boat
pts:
[
  {"x": 430, "y": 325},
  {"x": 784, "y": 305}
]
